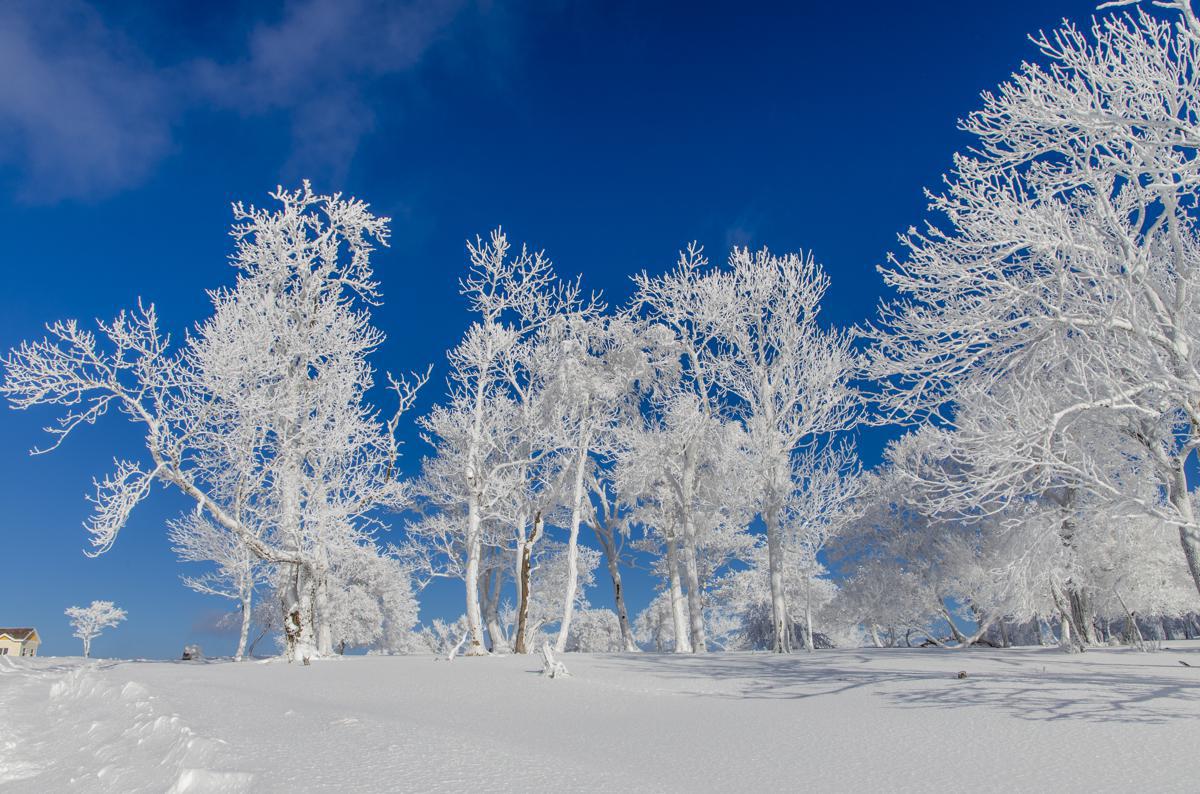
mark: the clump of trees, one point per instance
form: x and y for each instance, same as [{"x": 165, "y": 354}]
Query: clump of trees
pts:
[
  {"x": 1040, "y": 359},
  {"x": 1047, "y": 327}
]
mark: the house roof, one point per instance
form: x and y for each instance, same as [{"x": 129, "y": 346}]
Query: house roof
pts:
[{"x": 19, "y": 634}]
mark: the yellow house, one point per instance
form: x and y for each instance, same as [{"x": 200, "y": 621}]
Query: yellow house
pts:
[{"x": 19, "y": 642}]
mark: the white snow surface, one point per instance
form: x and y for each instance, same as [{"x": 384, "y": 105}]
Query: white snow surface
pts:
[{"x": 878, "y": 719}]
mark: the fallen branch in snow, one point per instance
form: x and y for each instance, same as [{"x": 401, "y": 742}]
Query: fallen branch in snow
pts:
[{"x": 551, "y": 668}]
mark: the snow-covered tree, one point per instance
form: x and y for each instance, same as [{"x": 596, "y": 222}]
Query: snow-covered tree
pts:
[
  {"x": 260, "y": 417},
  {"x": 654, "y": 627},
  {"x": 596, "y": 631},
  {"x": 789, "y": 381},
  {"x": 897, "y": 557},
  {"x": 609, "y": 521},
  {"x": 514, "y": 297},
  {"x": 684, "y": 305},
  {"x": 88, "y": 622},
  {"x": 824, "y": 503},
  {"x": 235, "y": 573},
  {"x": 657, "y": 470},
  {"x": 328, "y": 460},
  {"x": 371, "y": 602},
  {"x": 599, "y": 362},
  {"x": 552, "y": 581},
  {"x": 1006, "y": 569},
  {"x": 441, "y": 637},
  {"x": 743, "y": 598},
  {"x": 1070, "y": 231}
]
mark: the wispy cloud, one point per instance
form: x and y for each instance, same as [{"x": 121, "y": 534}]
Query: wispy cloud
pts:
[
  {"x": 81, "y": 111},
  {"x": 84, "y": 112},
  {"x": 316, "y": 63}
]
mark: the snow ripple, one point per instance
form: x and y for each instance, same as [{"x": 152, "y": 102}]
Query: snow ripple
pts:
[{"x": 102, "y": 736}]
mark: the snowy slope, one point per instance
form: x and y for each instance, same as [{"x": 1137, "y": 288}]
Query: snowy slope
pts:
[{"x": 1024, "y": 719}]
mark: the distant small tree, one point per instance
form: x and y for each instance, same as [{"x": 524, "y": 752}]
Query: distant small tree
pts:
[{"x": 89, "y": 621}]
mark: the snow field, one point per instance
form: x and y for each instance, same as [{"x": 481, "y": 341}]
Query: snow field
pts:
[{"x": 847, "y": 720}]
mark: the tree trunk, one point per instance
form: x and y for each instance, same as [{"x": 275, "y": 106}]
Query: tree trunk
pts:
[
  {"x": 985, "y": 625},
  {"x": 321, "y": 624},
  {"x": 1132, "y": 632},
  {"x": 1070, "y": 639},
  {"x": 524, "y": 583},
  {"x": 682, "y": 645},
  {"x": 491, "y": 609},
  {"x": 244, "y": 635},
  {"x": 564, "y": 628},
  {"x": 1071, "y": 604},
  {"x": 299, "y": 642},
  {"x": 609, "y": 545},
  {"x": 780, "y": 625},
  {"x": 874, "y": 632},
  {"x": 691, "y": 568},
  {"x": 695, "y": 594},
  {"x": 809, "y": 643},
  {"x": 1189, "y": 538},
  {"x": 955, "y": 632},
  {"x": 1081, "y": 616},
  {"x": 87, "y": 647},
  {"x": 296, "y": 596},
  {"x": 522, "y": 534},
  {"x": 257, "y": 640},
  {"x": 1067, "y": 639},
  {"x": 475, "y": 646},
  {"x": 474, "y": 480}
]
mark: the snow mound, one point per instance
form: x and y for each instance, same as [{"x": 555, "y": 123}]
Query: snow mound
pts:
[{"x": 122, "y": 738}]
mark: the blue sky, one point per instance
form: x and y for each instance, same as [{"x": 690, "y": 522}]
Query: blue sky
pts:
[{"x": 607, "y": 133}]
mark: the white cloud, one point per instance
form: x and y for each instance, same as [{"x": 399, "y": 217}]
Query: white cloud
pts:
[
  {"x": 315, "y": 63},
  {"x": 84, "y": 113},
  {"x": 81, "y": 112}
]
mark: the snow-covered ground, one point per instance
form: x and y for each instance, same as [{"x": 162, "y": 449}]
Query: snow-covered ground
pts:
[{"x": 894, "y": 719}]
